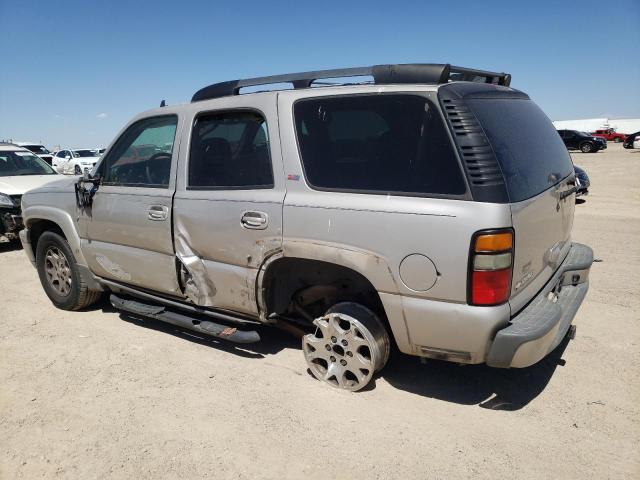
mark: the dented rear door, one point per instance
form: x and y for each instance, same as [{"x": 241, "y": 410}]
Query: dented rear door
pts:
[{"x": 227, "y": 212}]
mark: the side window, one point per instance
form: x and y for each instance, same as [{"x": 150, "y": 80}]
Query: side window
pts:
[
  {"x": 393, "y": 144},
  {"x": 142, "y": 155},
  {"x": 230, "y": 150}
]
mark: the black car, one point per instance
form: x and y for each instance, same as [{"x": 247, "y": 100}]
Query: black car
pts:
[
  {"x": 586, "y": 143},
  {"x": 628, "y": 142},
  {"x": 582, "y": 181}
]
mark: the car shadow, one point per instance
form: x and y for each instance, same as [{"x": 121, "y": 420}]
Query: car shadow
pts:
[
  {"x": 490, "y": 388},
  {"x": 272, "y": 340},
  {"x": 486, "y": 387},
  {"x": 10, "y": 246}
]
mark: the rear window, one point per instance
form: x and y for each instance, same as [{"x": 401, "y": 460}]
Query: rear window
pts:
[
  {"x": 531, "y": 154},
  {"x": 395, "y": 144}
]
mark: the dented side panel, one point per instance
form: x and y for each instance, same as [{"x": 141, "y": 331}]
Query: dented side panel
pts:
[{"x": 226, "y": 253}]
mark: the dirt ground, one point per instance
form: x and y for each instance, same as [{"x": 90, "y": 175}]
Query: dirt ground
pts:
[{"x": 98, "y": 395}]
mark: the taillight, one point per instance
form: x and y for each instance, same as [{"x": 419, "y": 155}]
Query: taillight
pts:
[{"x": 490, "y": 266}]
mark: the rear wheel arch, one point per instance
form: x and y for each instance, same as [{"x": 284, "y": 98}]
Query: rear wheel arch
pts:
[{"x": 284, "y": 281}]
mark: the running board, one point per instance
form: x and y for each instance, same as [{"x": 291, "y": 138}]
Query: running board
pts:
[{"x": 160, "y": 312}]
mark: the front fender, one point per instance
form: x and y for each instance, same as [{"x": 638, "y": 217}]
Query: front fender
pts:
[{"x": 32, "y": 214}]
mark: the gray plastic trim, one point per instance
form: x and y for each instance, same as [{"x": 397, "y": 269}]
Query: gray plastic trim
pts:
[{"x": 545, "y": 313}]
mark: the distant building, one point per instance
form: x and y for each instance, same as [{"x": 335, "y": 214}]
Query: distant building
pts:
[{"x": 622, "y": 125}]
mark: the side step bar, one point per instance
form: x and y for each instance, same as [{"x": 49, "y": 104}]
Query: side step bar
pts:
[{"x": 160, "y": 312}]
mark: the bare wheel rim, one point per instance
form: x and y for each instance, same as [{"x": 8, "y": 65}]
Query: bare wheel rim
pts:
[
  {"x": 58, "y": 271},
  {"x": 342, "y": 352}
]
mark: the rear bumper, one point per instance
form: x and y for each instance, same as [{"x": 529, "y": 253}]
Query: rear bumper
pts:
[{"x": 542, "y": 324}]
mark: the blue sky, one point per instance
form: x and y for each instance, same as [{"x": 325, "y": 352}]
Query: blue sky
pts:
[{"x": 73, "y": 72}]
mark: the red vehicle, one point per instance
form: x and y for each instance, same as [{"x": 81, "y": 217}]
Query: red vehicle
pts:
[{"x": 610, "y": 135}]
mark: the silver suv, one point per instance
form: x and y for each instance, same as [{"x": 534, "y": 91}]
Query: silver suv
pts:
[{"x": 428, "y": 209}]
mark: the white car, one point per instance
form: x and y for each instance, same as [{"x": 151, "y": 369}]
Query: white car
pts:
[
  {"x": 636, "y": 142},
  {"x": 75, "y": 162},
  {"x": 39, "y": 150},
  {"x": 20, "y": 170}
]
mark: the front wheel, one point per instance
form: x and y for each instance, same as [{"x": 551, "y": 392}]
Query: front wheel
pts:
[
  {"x": 586, "y": 147},
  {"x": 617, "y": 140},
  {"x": 59, "y": 274},
  {"x": 349, "y": 345}
]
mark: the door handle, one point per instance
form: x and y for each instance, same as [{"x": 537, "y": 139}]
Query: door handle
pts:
[
  {"x": 254, "y": 220},
  {"x": 158, "y": 213}
]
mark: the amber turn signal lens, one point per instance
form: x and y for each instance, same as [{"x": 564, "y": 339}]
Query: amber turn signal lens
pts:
[{"x": 494, "y": 242}]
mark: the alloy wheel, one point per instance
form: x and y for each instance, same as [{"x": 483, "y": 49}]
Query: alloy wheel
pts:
[
  {"x": 58, "y": 271},
  {"x": 343, "y": 352}
]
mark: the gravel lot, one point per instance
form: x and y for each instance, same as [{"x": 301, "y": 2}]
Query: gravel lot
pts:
[{"x": 95, "y": 394}]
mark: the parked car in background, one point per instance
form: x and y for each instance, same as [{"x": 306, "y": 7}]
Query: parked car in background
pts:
[
  {"x": 75, "y": 162},
  {"x": 406, "y": 213},
  {"x": 610, "y": 135},
  {"x": 582, "y": 181},
  {"x": 39, "y": 150},
  {"x": 586, "y": 143},
  {"x": 628, "y": 142},
  {"x": 20, "y": 170}
]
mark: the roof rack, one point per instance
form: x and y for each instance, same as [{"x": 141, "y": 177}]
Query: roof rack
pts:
[{"x": 428, "y": 73}]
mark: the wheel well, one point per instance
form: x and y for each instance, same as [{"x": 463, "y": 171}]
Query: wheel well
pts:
[
  {"x": 305, "y": 289},
  {"x": 38, "y": 228}
]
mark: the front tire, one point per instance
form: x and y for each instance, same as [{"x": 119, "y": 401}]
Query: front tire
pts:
[
  {"x": 617, "y": 140},
  {"x": 349, "y": 345},
  {"x": 586, "y": 147},
  {"x": 59, "y": 274}
]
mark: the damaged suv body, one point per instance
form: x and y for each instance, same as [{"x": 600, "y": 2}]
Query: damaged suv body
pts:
[{"x": 408, "y": 213}]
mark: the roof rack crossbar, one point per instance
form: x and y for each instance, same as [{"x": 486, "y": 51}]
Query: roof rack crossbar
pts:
[
  {"x": 470, "y": 74},
  {"x": 428, "y": 73}
]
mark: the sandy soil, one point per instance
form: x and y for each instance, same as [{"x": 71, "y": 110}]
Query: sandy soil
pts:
[{"x": 97, "y": 395}]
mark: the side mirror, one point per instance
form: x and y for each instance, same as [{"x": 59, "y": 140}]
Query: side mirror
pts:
[{"x": 67, "y": 157}]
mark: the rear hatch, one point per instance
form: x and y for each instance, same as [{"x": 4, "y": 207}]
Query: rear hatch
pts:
[{"x": 536, "y": 169}]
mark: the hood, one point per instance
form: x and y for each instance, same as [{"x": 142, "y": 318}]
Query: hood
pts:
[{"x": 18, "y": 185}]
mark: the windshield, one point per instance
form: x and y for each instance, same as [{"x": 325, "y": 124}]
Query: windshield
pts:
[
  {"x": 532, "y": 162},
  {"x": 37, "y": 149},
  {"x": 22, "y": 163},
  {"x": 84, "y": 153}
]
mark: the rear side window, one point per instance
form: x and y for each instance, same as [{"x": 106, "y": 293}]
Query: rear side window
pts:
[
  {"x": 531, "y": 154},
  {"x": 393, "y": 144},
  {"x": 230, "y": 150}
]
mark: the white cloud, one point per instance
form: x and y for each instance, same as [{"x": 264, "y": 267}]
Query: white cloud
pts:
[{"x": 102, "y": 115}]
